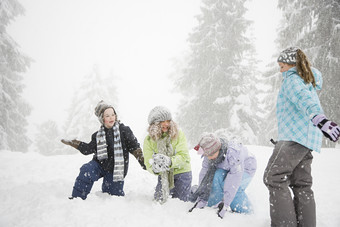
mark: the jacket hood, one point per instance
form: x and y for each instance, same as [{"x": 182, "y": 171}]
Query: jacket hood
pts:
[{"x": 317, "y": 75}]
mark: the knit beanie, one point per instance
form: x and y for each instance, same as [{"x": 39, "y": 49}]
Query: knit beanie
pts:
[
  {"x": 99, "y": 110},
  {"x": 288, "y": 56},
  {"x": 158, "y": 114},
  {"x": 209, "y": 143}
]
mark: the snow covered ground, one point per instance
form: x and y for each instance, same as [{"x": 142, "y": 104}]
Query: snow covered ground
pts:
[{"x": 34, "y": 191}]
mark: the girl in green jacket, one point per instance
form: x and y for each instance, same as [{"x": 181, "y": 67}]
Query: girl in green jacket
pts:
[{"x": 166, "y": 155}]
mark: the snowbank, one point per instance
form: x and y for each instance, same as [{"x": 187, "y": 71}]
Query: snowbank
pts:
[{"x": 34, "y": 191}]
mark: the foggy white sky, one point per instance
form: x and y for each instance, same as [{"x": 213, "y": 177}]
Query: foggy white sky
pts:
[{"x": 136, "y": 40}]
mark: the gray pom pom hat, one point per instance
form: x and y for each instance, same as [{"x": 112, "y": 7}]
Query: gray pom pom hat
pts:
[
  {"x": 100, "y": 108},
  {"x": 288, "y": 56},
  {"x": 209, "y": 144},
  {"x": 159, "y": 114}
]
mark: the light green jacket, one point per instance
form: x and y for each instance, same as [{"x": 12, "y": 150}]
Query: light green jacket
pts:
[{"x": 180, "y": 162}]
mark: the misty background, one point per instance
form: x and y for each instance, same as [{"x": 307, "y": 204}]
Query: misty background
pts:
[{"x": 211, "y": 62}]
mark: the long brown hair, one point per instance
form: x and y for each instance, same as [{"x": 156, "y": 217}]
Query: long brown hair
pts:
[{"x": 303, "y": 67}]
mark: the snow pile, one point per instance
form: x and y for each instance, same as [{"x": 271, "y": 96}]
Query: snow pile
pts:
[{"x": 34, "y": 191}]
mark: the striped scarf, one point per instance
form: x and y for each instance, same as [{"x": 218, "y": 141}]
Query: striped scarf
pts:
[
  {"x": 118, "y": 171},
  {"x": 101, "y": 144}
]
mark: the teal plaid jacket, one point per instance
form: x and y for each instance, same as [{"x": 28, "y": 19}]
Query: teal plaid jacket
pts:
[{"x": 297, "y": 104}]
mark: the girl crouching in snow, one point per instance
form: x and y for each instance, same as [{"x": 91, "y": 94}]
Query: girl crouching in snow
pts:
[
  {"x": 227, "y": 170},
  {"x": 167, "y": 156},
  {"x": 111, "y": 146}
]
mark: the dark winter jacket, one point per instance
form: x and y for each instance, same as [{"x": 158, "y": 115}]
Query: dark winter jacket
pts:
[{"x": 129, "y": 145}]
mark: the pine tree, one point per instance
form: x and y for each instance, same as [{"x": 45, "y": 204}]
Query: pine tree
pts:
[
  {"x": 314, "y": 26},
  {"x": 269, "y": 121},
  {"x": 219, "y": 83},
  {"x": 82, "y": 122},
  {"x": 326, "y": 39},
  {"x": 14, "y": 109},
  {"x": 47, "y": 139}
]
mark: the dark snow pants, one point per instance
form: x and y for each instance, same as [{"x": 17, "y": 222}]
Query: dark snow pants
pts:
[
  {"x": 290, "y": 167},
  {"x": 182, "y": 187},
  {"x": 91, "y": 172}
]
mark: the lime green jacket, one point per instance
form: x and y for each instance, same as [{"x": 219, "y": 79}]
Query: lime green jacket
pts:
[{"x": 180, "y": 162}]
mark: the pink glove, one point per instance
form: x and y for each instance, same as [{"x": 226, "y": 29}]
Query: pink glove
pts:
[
  {"x": 200, "y": 204},
  {"x": 330, "y": 129},
  {"x": 222, "y": 210}
]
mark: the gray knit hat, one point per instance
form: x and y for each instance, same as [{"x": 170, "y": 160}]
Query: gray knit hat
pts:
[
  {"x": 158, "y": 114},
  {"x": 100, "y": 108},
  {"x": 288, "y": 56},
  {"x": 209, "y": 143}
]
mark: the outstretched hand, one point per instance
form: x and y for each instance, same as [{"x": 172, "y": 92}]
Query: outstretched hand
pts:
[{"x": 73, "y": 143}]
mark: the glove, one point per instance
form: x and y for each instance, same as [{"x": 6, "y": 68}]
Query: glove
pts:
[
  {"x": 73, "y": 143},
  {"x": 200, "y": 205},
  {"x": 222, "y": 210},
  {"x": 139, "y": 156},
  {"x": 163, "y": 161},
  {"x": 156, "y": 168},
  {"x": 330, "y": 129}
]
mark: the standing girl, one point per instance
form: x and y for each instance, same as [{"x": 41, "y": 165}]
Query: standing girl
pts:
[{"x": 301, "y": 122}]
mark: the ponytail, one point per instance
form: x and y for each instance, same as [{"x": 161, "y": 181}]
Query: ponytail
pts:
[{"x": 303, "y": 68}]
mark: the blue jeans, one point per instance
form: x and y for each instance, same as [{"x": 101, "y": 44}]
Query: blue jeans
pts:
[
  {"x": 91, "y": 172},
  {"x": 240, "y": 203}
]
